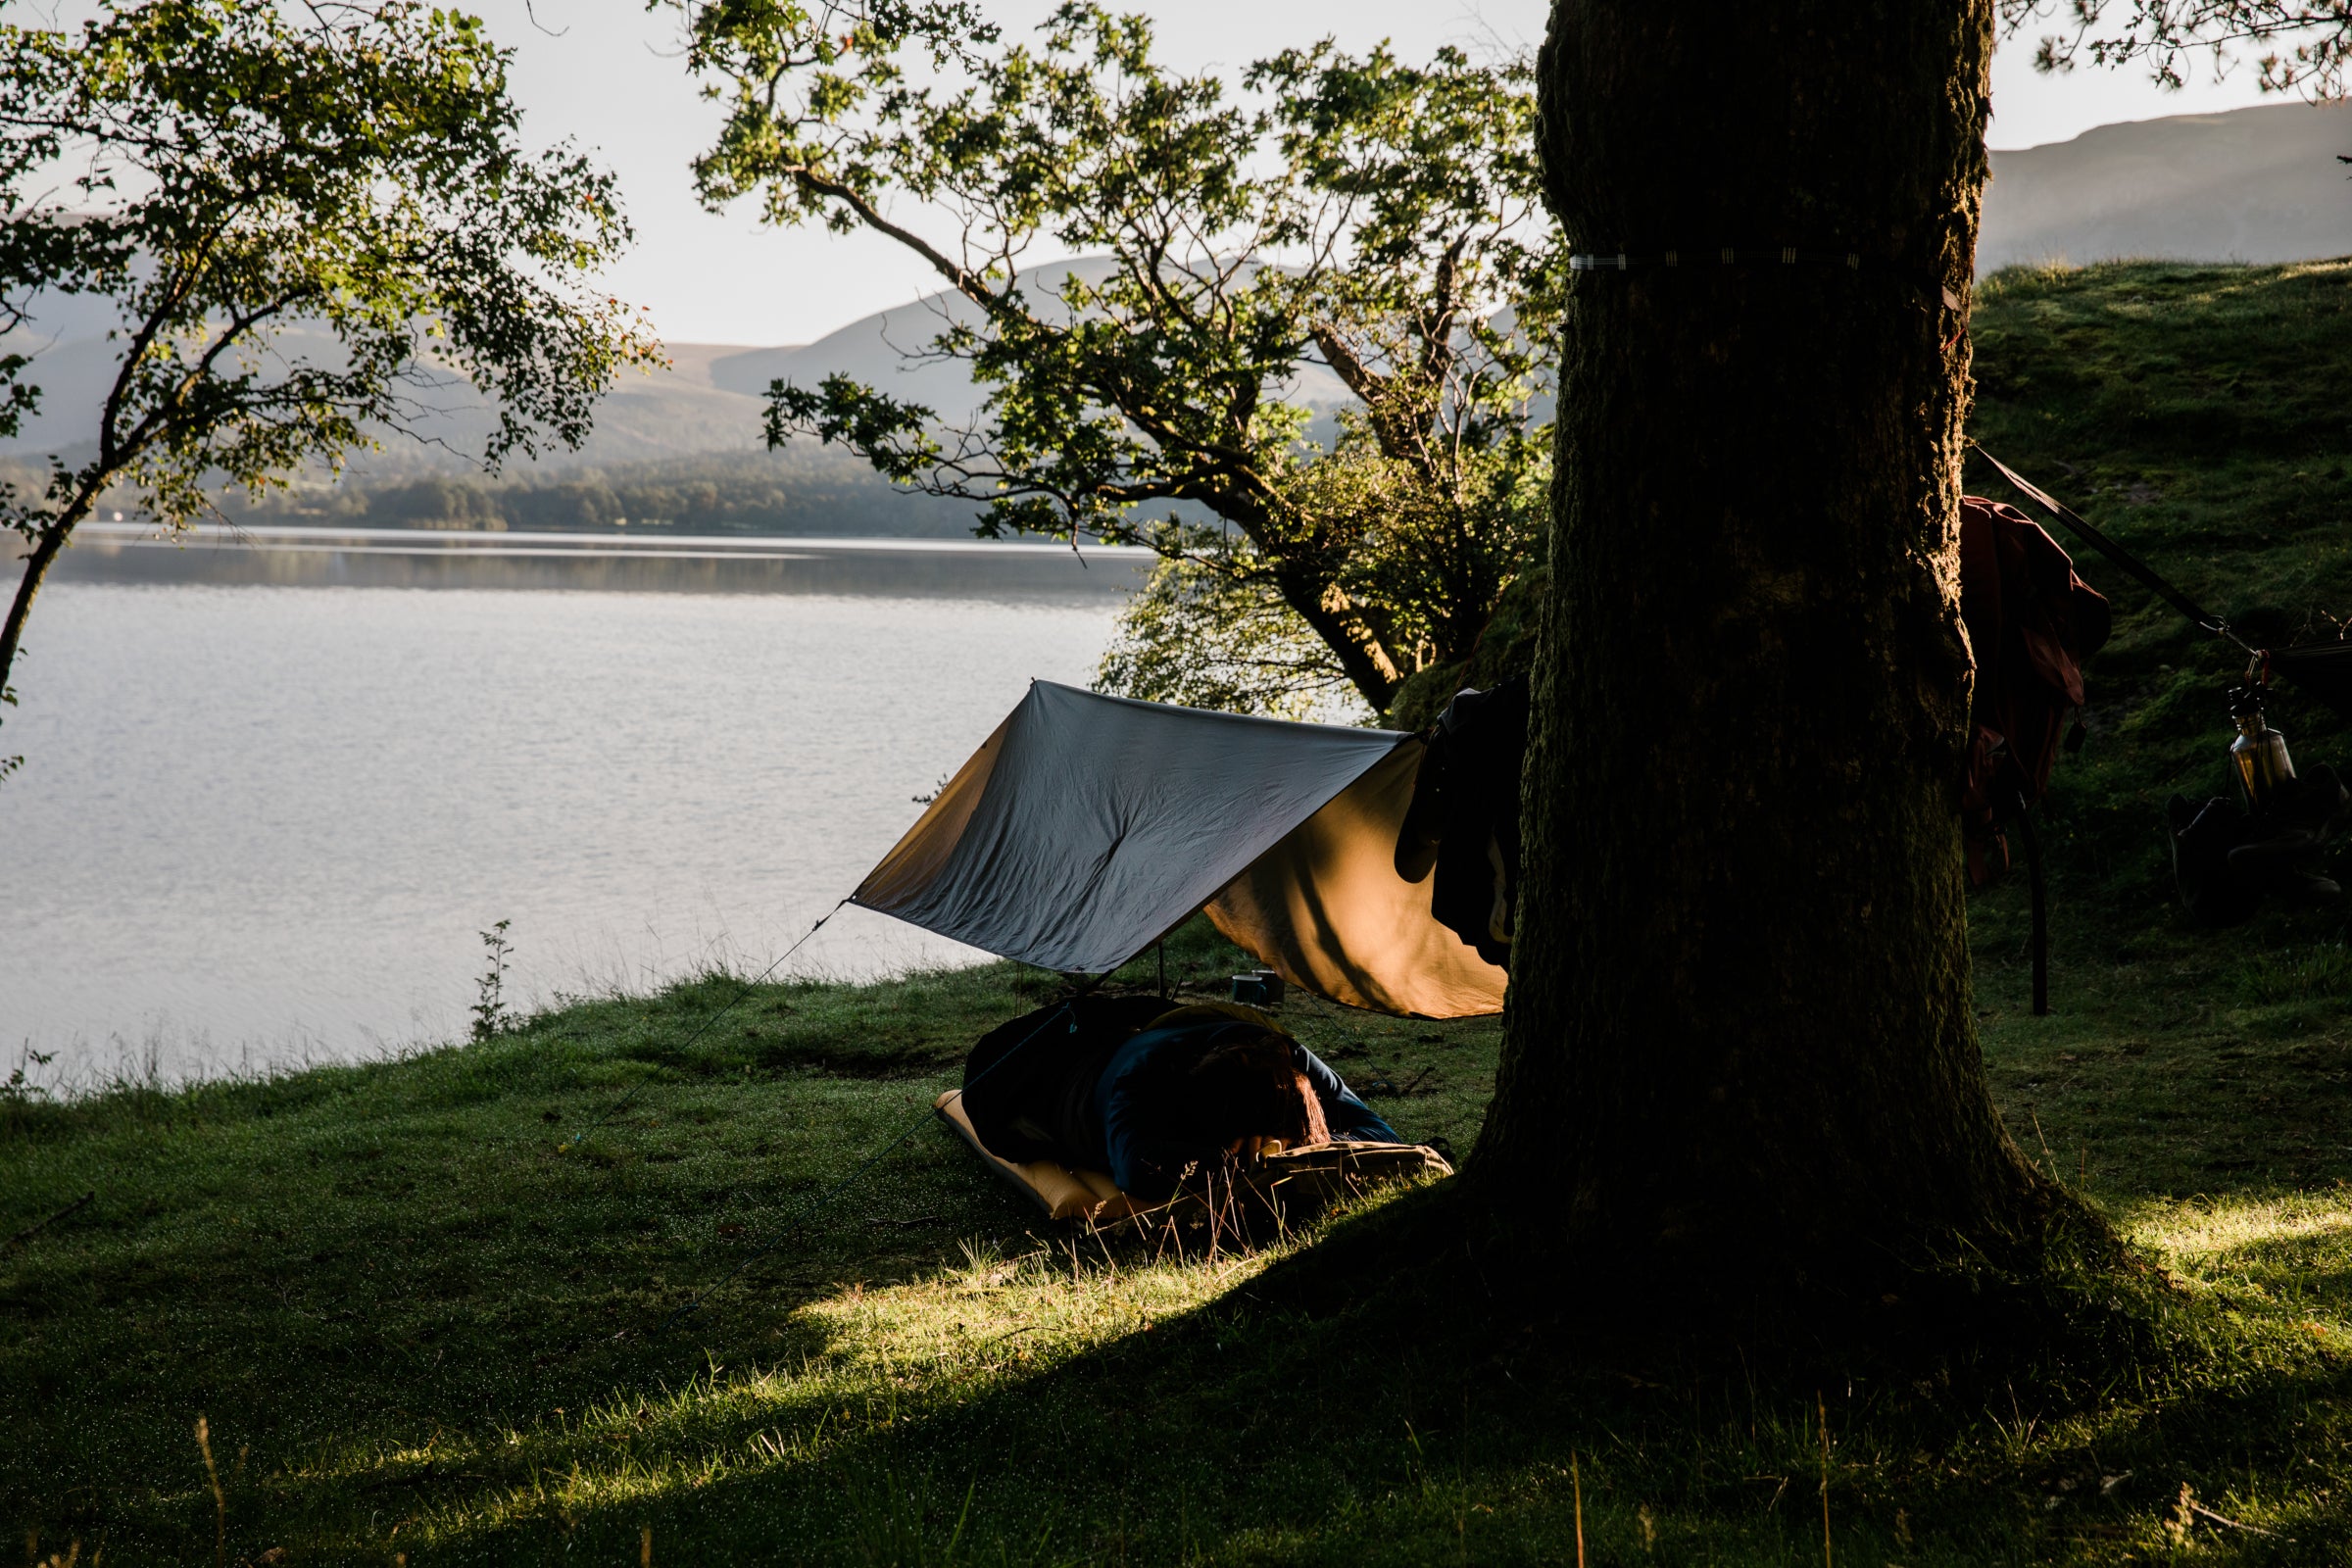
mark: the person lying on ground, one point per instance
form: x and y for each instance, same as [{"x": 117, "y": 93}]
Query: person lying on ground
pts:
[{"x": 1129, "y": 1085}]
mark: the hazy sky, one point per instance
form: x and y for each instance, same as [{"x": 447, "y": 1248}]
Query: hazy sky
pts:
[{"x": 609, "y": 78}]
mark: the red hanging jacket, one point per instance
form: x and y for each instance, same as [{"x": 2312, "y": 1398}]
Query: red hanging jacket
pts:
[{"x": 2032, "y": 622}]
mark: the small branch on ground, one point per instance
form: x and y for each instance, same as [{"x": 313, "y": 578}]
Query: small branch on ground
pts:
[
  {"x": 2202, "y": 1511},
  {"x": 67, "y": 1212}
]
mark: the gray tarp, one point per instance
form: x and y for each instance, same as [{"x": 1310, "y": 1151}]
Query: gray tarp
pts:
[{"x": 1089, "y": 826}]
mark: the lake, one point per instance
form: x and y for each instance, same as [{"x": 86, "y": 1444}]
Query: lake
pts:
[{"x": 273, "y": 791}]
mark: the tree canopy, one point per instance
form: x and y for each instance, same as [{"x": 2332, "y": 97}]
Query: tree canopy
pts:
[
  {"x": 1353, "y": 219},
  {"x": 310, "y": 224},
  {"x": 2296, "y": 44}
]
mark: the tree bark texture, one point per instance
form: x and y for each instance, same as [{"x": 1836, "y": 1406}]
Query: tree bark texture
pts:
[{"x": 1741, "y": 1012}]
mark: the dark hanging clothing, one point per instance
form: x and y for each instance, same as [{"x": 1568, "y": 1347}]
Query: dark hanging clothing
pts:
[
  {"x": 1464, "y": 819},
  {"x": 2030, "y": 622}
]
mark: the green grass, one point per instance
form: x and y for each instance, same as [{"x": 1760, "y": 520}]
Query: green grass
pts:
[
  {"x": 2202, "y": 417},
  {"x": 423, "y": 1314},
  {"x": 418, "y": 1318}
]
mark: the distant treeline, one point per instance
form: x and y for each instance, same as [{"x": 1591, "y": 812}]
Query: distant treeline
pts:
[
  {"x": 821, "y": 492},
  {"x": 810, "y": 493}
]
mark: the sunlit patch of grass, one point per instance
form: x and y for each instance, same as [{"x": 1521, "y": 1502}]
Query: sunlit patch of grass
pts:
[
  {"x": 2287, "y": 1252},
  {"x": 896, "y": 1356},
  {"x": 996, "y": 1327},
  {"x": 2193, "y": 1233}
]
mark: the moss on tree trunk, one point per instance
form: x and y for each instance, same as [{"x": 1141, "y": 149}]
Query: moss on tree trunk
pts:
[{"x": 1741, "y": 1015}]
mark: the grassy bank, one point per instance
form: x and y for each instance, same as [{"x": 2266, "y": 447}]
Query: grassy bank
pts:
[
  {"x": 420, "y": 1318},
  {"x": 422, "y": 1305}
]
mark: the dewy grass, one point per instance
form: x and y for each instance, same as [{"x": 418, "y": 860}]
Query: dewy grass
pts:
[{"x": 418, "y": 1318}]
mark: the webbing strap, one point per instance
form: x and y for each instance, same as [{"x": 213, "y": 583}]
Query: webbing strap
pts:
[{"x": 2133, "y": 567}]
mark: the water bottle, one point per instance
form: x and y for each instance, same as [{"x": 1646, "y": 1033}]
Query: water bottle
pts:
[{"x": 2259, "y": 753}]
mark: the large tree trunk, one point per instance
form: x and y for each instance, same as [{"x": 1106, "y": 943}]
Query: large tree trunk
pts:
[{"x": 1740, "y": 1014}]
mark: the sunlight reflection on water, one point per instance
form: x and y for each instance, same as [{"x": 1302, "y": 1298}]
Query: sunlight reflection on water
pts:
[{"x": 264, "y": 825}]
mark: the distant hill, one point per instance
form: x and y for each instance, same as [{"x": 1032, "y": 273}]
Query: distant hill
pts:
[
  {"x": 877, "y": 351},
  {"x": 647, "y": 416},
  {"x": 709, "y": 401},
  {"x": 683, "y": 444},
  {"x": 2250, "y": 186},
  {"x": 679, "y": 447},
  {"x": 882, "y": 350}
]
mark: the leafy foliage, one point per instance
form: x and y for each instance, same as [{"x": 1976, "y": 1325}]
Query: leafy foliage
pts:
[
  {"x": 1224, "y": 638},
  {"x": 1339, "y": 216},
  {"x": 310, "y": 224},
  {"x": 2304, "y": 44}
]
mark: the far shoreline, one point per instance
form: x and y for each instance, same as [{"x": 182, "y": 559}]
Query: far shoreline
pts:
[{"x": 613, "y": 560}]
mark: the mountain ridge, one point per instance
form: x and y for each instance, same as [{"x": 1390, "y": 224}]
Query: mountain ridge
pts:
[
  {"x": 2252, "y": 185},
  {"x": 2257, "y": 185}
]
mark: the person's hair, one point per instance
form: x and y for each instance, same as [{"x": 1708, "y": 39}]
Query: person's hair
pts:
[{"x": 1246, "y": 1087}]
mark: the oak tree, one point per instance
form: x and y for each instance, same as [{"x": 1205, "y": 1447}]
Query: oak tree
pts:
[
  {"x": 312, "y": 225},
  {"x": 1741, "y": 1028},
  {"x": 1359, "y": 220},
  {"x": 2296, "y": 44}
]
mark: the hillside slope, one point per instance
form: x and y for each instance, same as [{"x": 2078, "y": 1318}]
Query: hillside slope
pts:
[
  {"x": 2203, "y": 418},
  {"x": 2250, "y": 186},
  {"x": 648, "y": 415},
  {"x": 711, "y": 398}
]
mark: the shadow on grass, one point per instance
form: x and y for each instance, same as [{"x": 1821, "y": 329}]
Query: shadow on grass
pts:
[
  {"x": 400, "y": 1288},
  {"x": 1327, "y": 1411},
  {"x": 1383, "y": 1395}
]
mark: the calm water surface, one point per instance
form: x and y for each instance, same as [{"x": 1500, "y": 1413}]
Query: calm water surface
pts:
[{"x": 261, "y": 825}]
